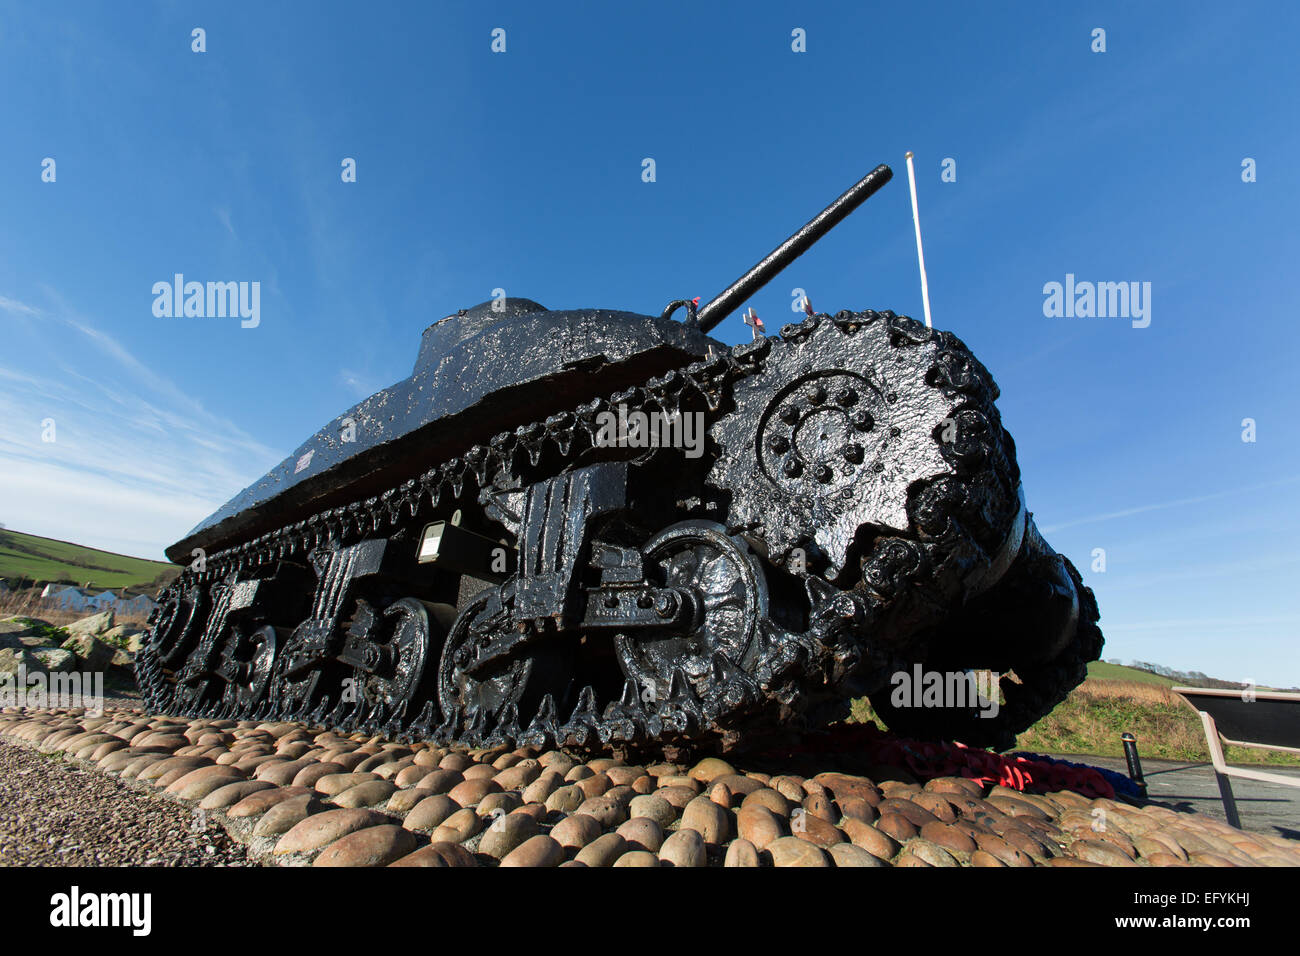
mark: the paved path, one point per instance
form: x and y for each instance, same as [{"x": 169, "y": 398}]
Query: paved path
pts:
[{"x": 1263, "y": 807}]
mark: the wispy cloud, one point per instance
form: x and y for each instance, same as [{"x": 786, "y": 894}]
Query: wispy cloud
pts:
[
  {"x": 1175, "y": 503},
  {"x": 135, "y": 461}
]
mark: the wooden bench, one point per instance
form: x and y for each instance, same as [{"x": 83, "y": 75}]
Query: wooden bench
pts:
[{"x": 1267, "y": 720}]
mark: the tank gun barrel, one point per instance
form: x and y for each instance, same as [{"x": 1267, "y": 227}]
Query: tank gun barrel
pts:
[{"x": 765, "y": 271}]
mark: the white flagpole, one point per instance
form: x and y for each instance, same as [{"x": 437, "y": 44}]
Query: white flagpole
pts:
[{"x": 920, "y": 255}]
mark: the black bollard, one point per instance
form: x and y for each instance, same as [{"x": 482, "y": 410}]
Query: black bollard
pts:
[{"x": 1134, "y": 762}]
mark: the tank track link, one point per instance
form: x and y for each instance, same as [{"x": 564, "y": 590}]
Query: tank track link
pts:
[{"x": 872, "y": 591}]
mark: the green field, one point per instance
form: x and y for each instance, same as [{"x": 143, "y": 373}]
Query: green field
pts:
[
  {"x": 1100, "y": 670},
  {"x": 46, "y": 560}
]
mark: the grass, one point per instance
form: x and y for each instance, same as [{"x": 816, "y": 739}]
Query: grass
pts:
[
  {"x": 1103, "y": 671},
  {"x": 26, "y": 556},
  {"x": 1098, "y": 711}
]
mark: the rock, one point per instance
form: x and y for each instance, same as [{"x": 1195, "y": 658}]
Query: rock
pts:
[
  {"x": 847, "y": 854},
  {"x": 1002, "y": 851},
  {"x": 607, "y": 811},
  {"x": 814, "y": 829},
  {"x": 948, "y": 837},
  {"x": 470, "y": 791},
  {"x": 287, "y": 814},
  {"x": 458, "y": 827},
  {"x": 322, "y": 829},
  {"x": 792, "y": 851},
  {"x": 372, "y": 846},
  {"x": 197, "y": 784},
  {"x": 92, "y": 625},
  {"x": 759, "y": 825},
  {"x": 602, "y": 851},
  {"x": 684, "y": 848},
  {"x": 741, "y": 853},
  {"x": 232, "y": 793},
  {"x": 506, "y": 833},
  {"x": 439, "y": 854},
  {"x": 11, "y": 659},
  {"x": 711, "y": 821},
  {"x": 642, "y": 833},
  {"x": 156, "y": 771},
  {"x": 1099, "y": 851},
  {"x": 92, "y": 654},
  {"x": 637, "y": 858},
  {"x": 432, "y": 811},
  {"x": 677, "y": 797},
  {"x": 842, "y": 786},
  {"x": 539, "y": 850},
  {"x": 367, "y": 794},
  {"x": 771, "y": 799},
  {"x": 653, "y": 807},
  {"x": 441, "y": 781},
  {"x": 930, "y": 853},
  {"x": 258, "y": 803},
  {"x": 332, "y": 784},
  {"x": 56, "y": 661},
  {"x": 576, "y": 831},
  {"x": 518, "y": 776},
  {"x": 709, "y": 769},
  {"x": 874, "y": 841},
  {"x": 896, "y": 826}
]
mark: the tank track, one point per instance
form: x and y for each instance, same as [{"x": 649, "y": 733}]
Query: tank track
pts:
[{"x": 872, "y": 593}]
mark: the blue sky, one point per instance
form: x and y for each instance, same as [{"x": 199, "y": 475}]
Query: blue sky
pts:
[{"x": 522, "y": 170}]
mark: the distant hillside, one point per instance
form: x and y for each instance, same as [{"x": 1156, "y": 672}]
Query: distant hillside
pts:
[
  {"x": 26, "y": 556},
  {"x": 1103, "y": 670}
]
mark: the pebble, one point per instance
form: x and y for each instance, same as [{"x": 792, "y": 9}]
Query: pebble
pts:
[
  {"x": 576, "y": 831},
  {"x": 684, "y": 848},
  {"x": 710, "y": 769},
  {"x": 232, "y": 793},
  {"x": 642, "y": 833},
  {"x": 372, "y": 846},
  {"x": 368, "y": 794},
  {"x": 259, "y": 803},
  {"x": 741, "y": 852},
  {"x": 470, "y": 791},
  {"x": 438, "y": 854},
  {"x": 507, "y": 832},
  {"x": 792, "y": 851},
  {"x": 759, "y": 825},
  {"x": 321, "y": 829},
  {"x": 848, "y": 854},
  {"x": 711, "y": 821},
  {"x": 637, "y": 858},
  {"x": 458, "y": 827},
  {"x": 287, "y": 814},
  {"x": 539, "y": 850},
  {"x": 655, "y": 808},
  {"x": 602, "y": 851}
]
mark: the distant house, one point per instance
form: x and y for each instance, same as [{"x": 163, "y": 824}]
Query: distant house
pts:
[
  {"x": 68, "y": 597},
  {"x": 79, "y": 599}
]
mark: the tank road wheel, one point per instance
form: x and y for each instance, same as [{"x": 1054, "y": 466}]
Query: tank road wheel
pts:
[
  {"x": 727, "y": 591},
  {"x": 253, "y": 659},
  {"x": 402, "y": 661},
  {"x": 491, "y": 698},
  {"x": 178, "y": 624}
]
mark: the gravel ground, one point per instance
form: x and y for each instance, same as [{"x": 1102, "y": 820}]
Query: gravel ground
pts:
[{"x": 54, "y": 813}]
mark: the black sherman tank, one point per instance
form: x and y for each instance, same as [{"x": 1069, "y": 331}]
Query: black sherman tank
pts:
[{"x": 600, "y": 529}]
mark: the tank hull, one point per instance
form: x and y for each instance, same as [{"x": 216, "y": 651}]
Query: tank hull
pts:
[{"x": 855, "y": 510}]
